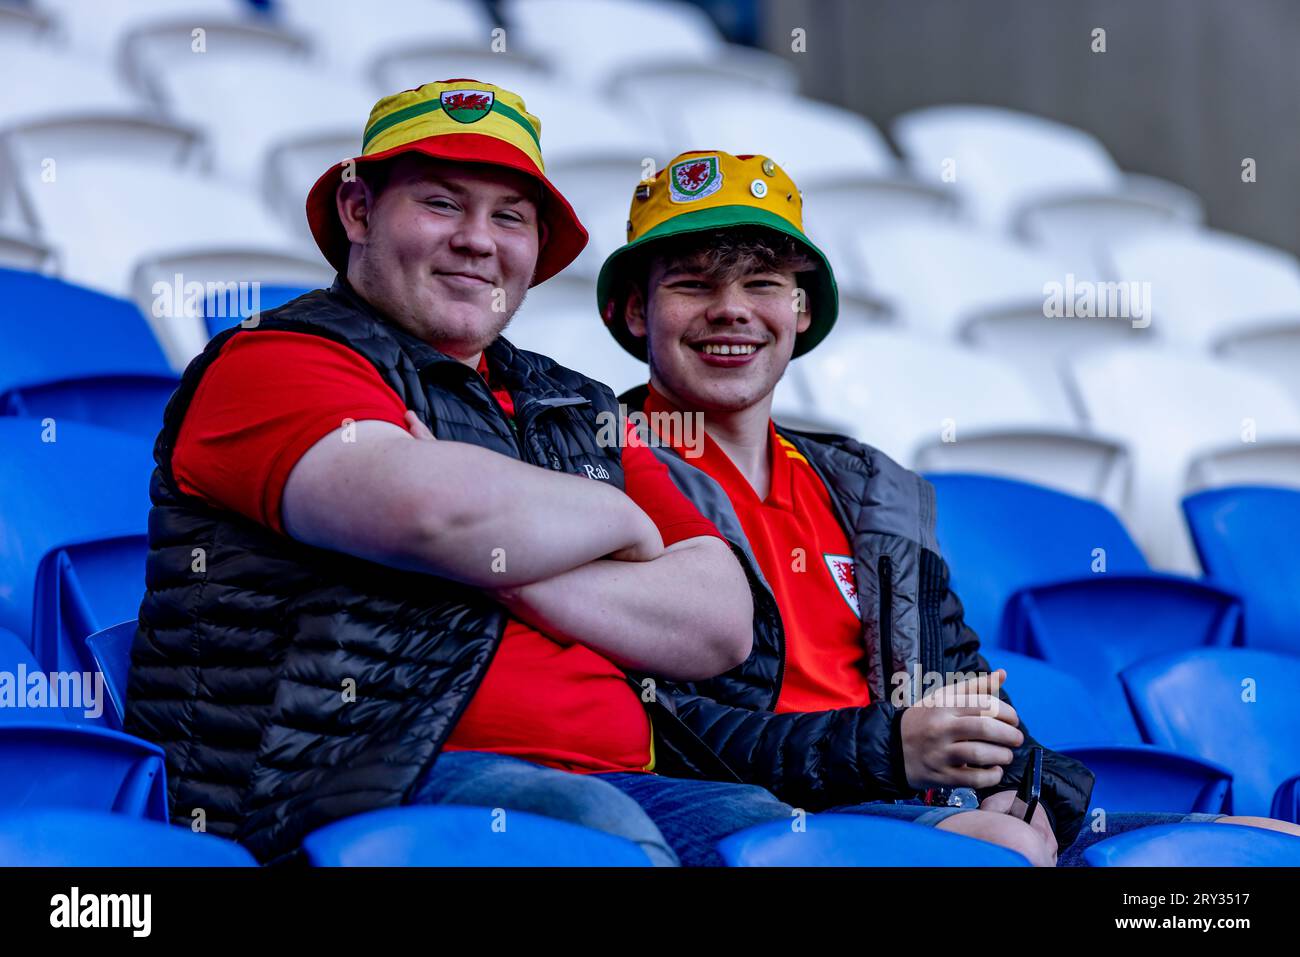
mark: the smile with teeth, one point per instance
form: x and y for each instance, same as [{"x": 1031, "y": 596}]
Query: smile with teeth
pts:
[{"x": 722, "y": 349}]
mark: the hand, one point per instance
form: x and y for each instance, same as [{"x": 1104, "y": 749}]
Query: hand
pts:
[
  {"x": 1000, "y": 802},
  {"x": 960, "y": 735},
  {"x": 417, "y": 428}
]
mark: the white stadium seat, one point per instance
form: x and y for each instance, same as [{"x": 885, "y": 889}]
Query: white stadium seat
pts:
[
  {"x": 938, "y": 407},
  {"x": 352, "y": 36},
  {"x": 1239, "y": 298},
  {"x": 1189, "y": 422},
  {"x": 1048, "y": 181},
  {"x": 251, "y": 102},
  {"x": 177, "y": 318},
  {"x": 578, "y": 341},
  {"x": 591, "y": 41},
  {"x": 956, "y": 281},
  {"x": 99, "y": 28}
]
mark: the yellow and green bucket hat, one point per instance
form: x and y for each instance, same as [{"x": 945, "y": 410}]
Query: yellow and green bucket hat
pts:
[
  {"x": 460, "y": 121},
  {"x": 706, "y": 190}
]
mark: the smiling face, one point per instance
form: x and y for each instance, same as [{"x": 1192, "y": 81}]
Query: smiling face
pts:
[
  {"x": 719, "y": 318},
  {"x": 445, "y": 250}
]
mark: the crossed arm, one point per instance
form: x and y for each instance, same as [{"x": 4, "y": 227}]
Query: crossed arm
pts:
[{"x": 575, "y": 558}]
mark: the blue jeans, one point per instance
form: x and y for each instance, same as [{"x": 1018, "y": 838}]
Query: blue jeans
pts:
[{"x": 673, "y": 820}]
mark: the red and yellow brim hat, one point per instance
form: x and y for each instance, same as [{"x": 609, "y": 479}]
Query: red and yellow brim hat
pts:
[
  {"x": 459, "y": 121},
  {"x": 707, "y": 190}
]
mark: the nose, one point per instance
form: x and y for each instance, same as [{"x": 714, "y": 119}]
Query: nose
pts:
[
  {"x": 730, "y": 305},
  {"x": 473, "y": 236}
]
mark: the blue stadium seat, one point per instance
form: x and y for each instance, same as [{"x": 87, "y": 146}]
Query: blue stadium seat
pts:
[
  {"x": 89, "y": 768},
  {"x": 1063, "y": 715},
  {"x": 16, "y": 660},
  {"x": 855, "y": 840},
  {"x": 1237, "y": 707},
  {"x": 1137, "y": 777},
  {"x": 1196, "y": 845},
  {"x": 1248, "y": 540},
  {"x": 75, "y": 355},
  {"x": 64, "y": 838},
  {"x": 1028, "y": 553},
  {"x": 1286, "y": 801},
  {"x": 111, "y": 651},
  {"x": 75, "y": 513},
  {"x": 457, "y": 836},
  {"x": 225, "y": 309},
  {"x": 1000, "y": 535}
]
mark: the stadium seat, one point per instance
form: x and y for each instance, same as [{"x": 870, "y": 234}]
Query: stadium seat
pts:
[
  {"x": 1248, "y": 540},
  {"x": 952, "y": 280},
  {"x": 455, "y": 836},
  {"x": 1062, "y": 714},
  {"x": 1196, "y": 845},
  {"x": 1237, "y": 707},
  {"x": 226, "y": 308},
  {"x": 1055, "y": 183},
  {"x": 111, "y": 651},
  {"x": 613, "y": 35},
  {"x": 351, "y": 37},
  {"x": 49, "y": 765},
  {"x": 247, "y": 97},
  {"x": 16, "y": 660},
  {"x": 1058, "y": 578},
  {"x": 74, "y": 503},
  {"x": 218, "y": 286},
  {"x": 102, "y": 233},
  {"x": 24, "y": 253},
  {"x": 1286, "y": 801},
  {"x": 414, "y": 64},
  {"x": 74, "y": 355},
  {"x": 1208, "y": 286},
  {"x": 854, "y": 840},
  {"x": 576, "y": 340},
  {"x": 970, "y": 412},
  {"x": 101, "y": 28},
  {"x": 66, "y": 838},
  {"x": 1189, "y": 423}
]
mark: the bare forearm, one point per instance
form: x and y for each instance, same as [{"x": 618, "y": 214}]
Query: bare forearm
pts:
[
  {"x": 453, "y": 509},
  {"x": 685, "y": 615}
]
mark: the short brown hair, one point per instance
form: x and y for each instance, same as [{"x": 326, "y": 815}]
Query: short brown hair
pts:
[{"x": 722, "y": 255}]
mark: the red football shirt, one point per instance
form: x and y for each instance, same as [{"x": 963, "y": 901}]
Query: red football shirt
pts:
[
  {"x": 270, "y": 396},
  {"x": 805, "y": 556}
]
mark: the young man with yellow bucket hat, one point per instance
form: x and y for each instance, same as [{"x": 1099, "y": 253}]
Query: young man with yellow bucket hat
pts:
[
  {"x": 390, "y": 559},
  {"x": 718, "y": 288}
]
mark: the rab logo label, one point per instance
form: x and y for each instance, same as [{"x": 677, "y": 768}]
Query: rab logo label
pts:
[
  {"x": 596, "y": 472},
  {"x": 841, "y": 569},
  {"x": 694, "y": 178},
  {"x": 467, "y": 106}
]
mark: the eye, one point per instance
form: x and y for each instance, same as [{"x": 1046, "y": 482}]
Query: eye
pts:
[
  {"x": 439, "y": 203},
  {"x": 510, "y": 216}
]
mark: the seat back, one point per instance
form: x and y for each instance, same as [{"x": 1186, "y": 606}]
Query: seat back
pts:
[
  {"x": 74, "y": 503},
  {"x": 999, "y": 535},
  {"x": 83, "y": 767},
  {"x": 456, "y": 836},
  {"x": 1196, "y": 845},
  {"x": 72, "y": 838},
  {"x": 853, "y": 840},
  {"x": 111, "y": 651},
  {"x": 1248, "y": 540},
  {"x": 1236, "y": 707}
]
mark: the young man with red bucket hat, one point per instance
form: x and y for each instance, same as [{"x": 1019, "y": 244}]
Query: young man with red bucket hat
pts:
[{"x": 391, "y": 559}]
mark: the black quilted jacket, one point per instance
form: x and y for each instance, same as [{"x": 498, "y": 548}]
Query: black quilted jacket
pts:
[{"x": 911, "y": 620}]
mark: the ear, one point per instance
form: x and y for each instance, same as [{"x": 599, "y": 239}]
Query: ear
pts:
[
  {"x": 354, "y": 204},
  {"x": 634, "y": 312}
]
